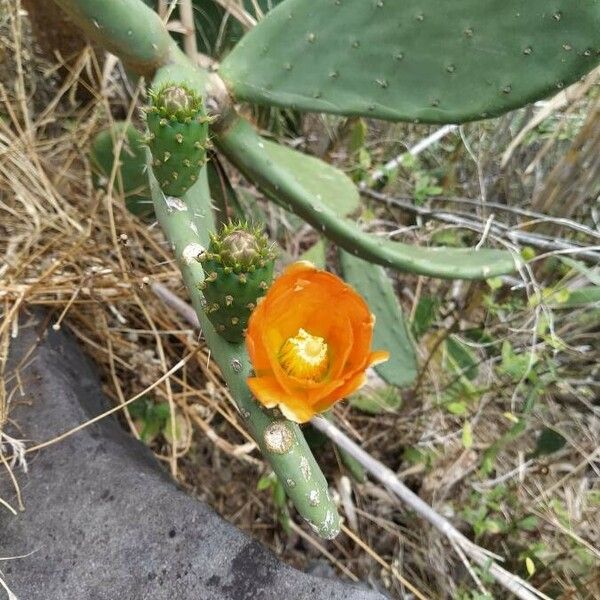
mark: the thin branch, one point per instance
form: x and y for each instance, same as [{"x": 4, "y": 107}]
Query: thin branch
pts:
[
  {"x": 186, "y": 16},
  {"x": 388, "y": 478},
  {"x": 498, "y": 229},
  {"x": 562, "y": 221},
  {"x": 435, "y": 137}
]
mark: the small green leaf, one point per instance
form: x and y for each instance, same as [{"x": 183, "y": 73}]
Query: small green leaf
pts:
[
  {"x": 467, "y": 435},
  {"x": 580, "y": 267},
  {"x": 415, "y": 456},
  {"x": 139, "y": 407},
  {"x": 562, "y": 296},
  {"x": 529, "y": 523},
  {"x": 454, "y": 238},
  {"x": 181, "y": 431},
  {"x": 495, "y": 283},
  {"x": 377, "y": 402},
  {"x": 530, "y": 566},
  {"x": 425, "y": 314},
  {"x": 582, "y": 296},
  {"x": 457, "y": 408},
  {"x": 462, "y": 356},
  {"x": 358, "y": 135},
  {"x": 528, "y": 253},
  {"x": 279, "y": 497},
  {"x": 515, "y": 365},
  {"x": 494, "y": 526},
  {"x": 265, "y": 482},
  {"x": 356, "y": 470},
  {"x": 489, "y": 456}
]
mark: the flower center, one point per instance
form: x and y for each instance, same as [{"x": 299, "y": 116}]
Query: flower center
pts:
[{"x": 305, "y": 356}]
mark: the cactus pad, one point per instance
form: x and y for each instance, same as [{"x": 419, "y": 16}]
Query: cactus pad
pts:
[
  {"x": 414, "y": 60},
  {"x": 391, "y": 330},
  {"x": 244, "y": 148},
  {"x": 131, "y": 179},
  {"x": 178, "y": 135},
  {"x": 332, "y": 186},
  {"x": 238, "y": 269}
]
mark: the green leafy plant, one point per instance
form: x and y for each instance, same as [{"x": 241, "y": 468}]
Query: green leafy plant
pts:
[{"x": 410, "y": 61}]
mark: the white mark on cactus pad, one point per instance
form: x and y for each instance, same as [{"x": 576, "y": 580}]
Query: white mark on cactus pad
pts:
[
  {"x": 192, "y": 252},
  {"x": 313, "y": 497},
  {"x": 305, "y": 468},
  {"x": 278, "y": 437},
  {"x": 330, "y": 528},
  {"x": 174, "y": 203}
]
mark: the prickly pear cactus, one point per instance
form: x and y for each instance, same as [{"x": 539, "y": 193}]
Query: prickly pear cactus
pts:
[
  {"x": 178, "y": 137},
  {"x": 238, "y": 268}
]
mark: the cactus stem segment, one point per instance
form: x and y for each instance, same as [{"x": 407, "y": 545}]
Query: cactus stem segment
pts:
[{"x": 281, "y": 441}]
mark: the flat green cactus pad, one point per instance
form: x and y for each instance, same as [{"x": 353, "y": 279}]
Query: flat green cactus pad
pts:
[
  {"x": 131, "y": 179},
  {"x": 328, "y": 184},
  {"x": 391, "y": 330},
  {"x": 245, "y": 149},
  {"x": 414, "y": 60}
]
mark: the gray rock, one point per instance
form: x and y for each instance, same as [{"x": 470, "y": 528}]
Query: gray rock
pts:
[{"x": 103, "y": 521}]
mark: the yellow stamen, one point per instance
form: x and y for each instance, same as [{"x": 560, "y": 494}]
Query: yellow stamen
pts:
[{"x": 305, "y": 356}]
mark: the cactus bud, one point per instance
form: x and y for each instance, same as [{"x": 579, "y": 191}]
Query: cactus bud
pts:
[
  {"x": 175, "y": 98},
  {"x": 178, "y": 135},
  {"x": 238, "y": 267},
  {"x": 240, "y": 248}
]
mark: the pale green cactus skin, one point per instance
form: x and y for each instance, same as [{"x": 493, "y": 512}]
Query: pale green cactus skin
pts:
[
  {"x": 127, "y": 28},
  {"x": 245, "y": 149},
  {"x": 391, "y": 330},
  {"x": 131, "y": 179}
]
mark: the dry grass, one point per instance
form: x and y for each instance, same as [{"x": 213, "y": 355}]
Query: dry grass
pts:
[{"x": 80, "y": 255}]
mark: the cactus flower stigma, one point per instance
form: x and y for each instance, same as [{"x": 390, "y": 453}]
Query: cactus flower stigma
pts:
[{"x": 309, "y": 341}]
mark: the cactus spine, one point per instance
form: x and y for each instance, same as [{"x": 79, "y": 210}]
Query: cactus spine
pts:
[
  {"x": 178, "y": 136},
  {"x": 238, "y": 268}
]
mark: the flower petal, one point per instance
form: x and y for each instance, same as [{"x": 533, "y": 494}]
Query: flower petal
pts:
[
  {"x": 378, "y": 356},
  {"x": 353, "y": 384},
  {"x": 270, "y": 394},
  {"x": 266, "y": 390},
  {"x": 296, "y": 411}
]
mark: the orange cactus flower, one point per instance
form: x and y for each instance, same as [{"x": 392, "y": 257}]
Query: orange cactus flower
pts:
[{"x": 309, "y": 341}]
